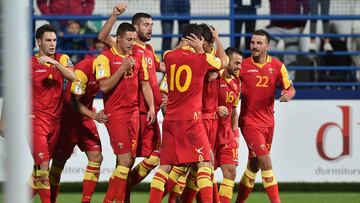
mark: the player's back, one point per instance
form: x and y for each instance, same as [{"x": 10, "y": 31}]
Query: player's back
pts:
[
  {"x": 86, "y": 86},
  {"x": 185, "y": 71}
]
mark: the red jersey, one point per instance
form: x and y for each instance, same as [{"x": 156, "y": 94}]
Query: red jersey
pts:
[
  {"x": 185, "y": 72},
  {"x": 123, "y": 98},
  {"x": 146, "y": 55},
  {"x": 210, "y": 96},
  {"x": 86, "y": 86},
  {"x": 47, "y": 84},
  {"x": 229, "y": 92},
  {"x": 258, "y": 86}
]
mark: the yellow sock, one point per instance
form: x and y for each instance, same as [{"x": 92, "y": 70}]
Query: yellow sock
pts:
[
  {"x": 268, "y": 178},
  {"x": 226, "y": 188}
]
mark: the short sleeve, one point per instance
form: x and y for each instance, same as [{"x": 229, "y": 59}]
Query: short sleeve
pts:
[
  {"x": 284, "y": 80},
  {"x": 65, "y": 61},
  {"x": 143, "y": 72},
  {"x": 102, "y": 67},
  {"x": 163, "y": 86},
  {"x": 214, "y": 63},
  {"x": 78, "y": 87}
]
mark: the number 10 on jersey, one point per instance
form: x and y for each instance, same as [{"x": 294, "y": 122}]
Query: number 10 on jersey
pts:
[{"x": 175, "y": 74}]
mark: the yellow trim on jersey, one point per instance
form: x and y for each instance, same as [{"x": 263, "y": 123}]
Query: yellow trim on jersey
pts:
[
  {"x": 213, "y": 51},
  {"x": 140, "y": 45},
  {"x": 163, "y": 85},
  {"x": 78, "y": 87},
  {"x": 65, "y": 61},
  {"x": 187, "y": 47},
  {"x": 144, "y": 67},
  {"x": 236, "y": 102},
  {"x": 102, "y": 67},
  {"x": 114, "y": 51},
  {"x": 213, "y": 61},
  {"x": 268, "y": 60},
  {"x": 286, "y": 81}
]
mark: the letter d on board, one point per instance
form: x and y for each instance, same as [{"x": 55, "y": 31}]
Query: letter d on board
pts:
[{"x": 345, "y": 130}]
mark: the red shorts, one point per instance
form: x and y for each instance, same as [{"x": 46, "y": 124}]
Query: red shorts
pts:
[
  {"x": 149, "y": 137},
  {"x": 211, "y": 126},
  {"x": 226, "y": 154},
  {"x": 84, "y": 134},
  {"x": 184, "y": 142},
  {"x": 258, "y": 139},
  {"x": 44, "y": 137},
  {"x": 123, "y": 133}
]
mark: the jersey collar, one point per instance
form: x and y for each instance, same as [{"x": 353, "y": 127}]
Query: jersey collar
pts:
[{"x": 268, "y": 60}]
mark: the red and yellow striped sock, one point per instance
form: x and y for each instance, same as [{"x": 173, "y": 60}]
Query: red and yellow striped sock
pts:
[
  {"x": 226, "y": 190},
  {"x": 157, "y": 186},
  {"x": 177, "y": 189},
  {"x": 117, "y": 185},
  {"x": 174, "y": 175},
  {"x": 205, "y": 184},
  {"x": 90, "y": 180},
  {"x": 42, "y": 185},
  {"x": 120, "y": 179},
  {"x": 246, "y": 185},
  {"x": 54, "y": 177},
  {"x": 140, "y": 172},
  {"x": 191, "y": 188},
  {"x": 270, "y": 185}
]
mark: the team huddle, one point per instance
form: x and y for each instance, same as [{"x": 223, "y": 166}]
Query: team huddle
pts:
[{"x": 198, "y": 96}]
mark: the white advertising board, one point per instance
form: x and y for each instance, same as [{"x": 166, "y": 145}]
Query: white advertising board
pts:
[{"x": 314, "y": 141}]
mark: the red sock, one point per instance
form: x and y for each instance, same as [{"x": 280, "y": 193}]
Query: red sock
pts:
[
  {"x": 54, "y": 177},
  {"x": 42, "y": 185},
  {"x": 226, "y": 190},
  {"x": 120, "y": 179},
  {"x": 215, "y": 191},
  {"x": 91, "y": 177},
  {"x": 110, "y": 193},
  {"x": 157, "y": 186},
  {"x": 174, "y": 175},
  {"x": 178, "y": 189},
  {"x": 205, "y": 184},
  {"x": 270, "y": 185},
  {"x": 245, "y": 186},
  {"x": 191, "y": 188}
]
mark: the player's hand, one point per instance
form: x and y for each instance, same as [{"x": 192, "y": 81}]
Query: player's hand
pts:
[
  {"x": 286, "y": 95},
  {"x": 128, "y": 63},
  {"x": 47, "y": 59},
  {"x": 150, "y": 117},
  {"x": 195, "y": 42},
  {"x": 119, "y": 8},
  {"x": 164, "y": 100},
  {"x": 101, "y": 117},
  {"x": 222, "y": 111},
  {"x": 214, "y": 32}
]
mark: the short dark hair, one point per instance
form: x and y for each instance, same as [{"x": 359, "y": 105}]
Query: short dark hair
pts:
[
  {"x": 124, "y": 27},
  {"x": 193, "y": 28},
  {"x": 207, "y": 34},
  {"x": 135, "y": 19},
  {"x": 262, "y": 32},
  {"x": 42, "y": 29},
  {"x": 232, "y": 50}
]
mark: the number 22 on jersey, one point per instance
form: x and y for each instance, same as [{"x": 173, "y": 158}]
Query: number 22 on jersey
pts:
[{"x": 175, "y": 74}]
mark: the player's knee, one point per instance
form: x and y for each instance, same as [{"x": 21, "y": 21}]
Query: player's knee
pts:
[
  {"x": 229, "y": 172},
  {"x": 265, "y": 162}
]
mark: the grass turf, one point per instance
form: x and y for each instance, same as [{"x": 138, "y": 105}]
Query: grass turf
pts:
[{"x": 258, "y": 197}]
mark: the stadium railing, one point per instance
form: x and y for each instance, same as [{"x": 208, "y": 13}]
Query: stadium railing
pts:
[{"x": 231, "y": 35}]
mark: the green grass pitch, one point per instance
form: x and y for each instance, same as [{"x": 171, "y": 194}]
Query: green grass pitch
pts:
[{"x": 255, "y": 197}]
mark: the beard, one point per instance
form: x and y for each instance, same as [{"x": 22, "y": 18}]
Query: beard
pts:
[{"x": 143, "y": 38}]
